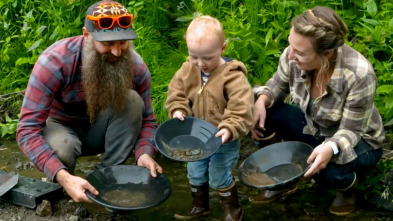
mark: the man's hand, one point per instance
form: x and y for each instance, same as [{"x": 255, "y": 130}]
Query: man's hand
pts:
[
  {"x": 75, "y": 186},
  {"x": 320, "y": 157},
  {"x": 147, "y": 161}
]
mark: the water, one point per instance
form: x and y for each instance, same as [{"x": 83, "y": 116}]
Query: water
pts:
[
  {"x": 259, "y": 179},
  {"x": 124, "y": 197},
  {"x": 285, "y": 172},
  {"x": 308, "y": 203},
  {"x": 276, "y": 175}
]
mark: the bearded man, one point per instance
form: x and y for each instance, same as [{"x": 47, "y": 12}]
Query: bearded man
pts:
[{"x": 86, "y": 95}]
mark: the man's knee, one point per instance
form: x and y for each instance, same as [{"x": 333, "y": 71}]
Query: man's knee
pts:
[
  {"x": 65, "y": 146},
  {"x": 135, "y": 102}
]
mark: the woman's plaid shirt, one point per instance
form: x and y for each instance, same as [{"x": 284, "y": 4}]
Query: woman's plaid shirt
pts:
[{"x": 345, "y": 112}]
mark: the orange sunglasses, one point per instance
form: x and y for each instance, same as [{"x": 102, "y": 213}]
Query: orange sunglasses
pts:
[{"x": 124, "y": 21}]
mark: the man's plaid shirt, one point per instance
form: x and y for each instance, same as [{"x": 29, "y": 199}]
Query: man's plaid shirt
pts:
[{"x": 55, "y": 90}]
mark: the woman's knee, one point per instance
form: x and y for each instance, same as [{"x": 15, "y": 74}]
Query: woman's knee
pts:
[{"x": 335, "y": 176}]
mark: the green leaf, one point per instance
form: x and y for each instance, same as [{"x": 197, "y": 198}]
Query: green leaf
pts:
[
  {"x": 138, "y": 4},
  {"x": 184, "y": 18},
  {"x": 256, "y": 45},
  {"x": 6, "y": 25},
  {"x": 6, "y": 58},
  {"x": 42, "y": 28},
  {"x": 7, "y": 118},
  {"x": 371, "y": 7},
  {"x": 21, "y": 61},
  {"x": 385, "y": 89},
  {"x": 4, "y": 129},
  {"x": 268, "y": 36},
  {"x": 272, "y": 51},
  {"x": 370, "y": 21},
  {"x": 391, "y": 23},
  {"x": 35, "y": 45},
  {"x": 389, "y": 123},
  {"x": 389, "y": 104},
  {"x": 29, "y": 17}
]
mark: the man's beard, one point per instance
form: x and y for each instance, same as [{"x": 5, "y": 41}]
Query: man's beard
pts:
[{"x": 105, "y": 84}]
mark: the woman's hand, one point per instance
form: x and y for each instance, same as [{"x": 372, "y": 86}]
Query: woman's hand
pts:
[
  {"x": 258, "y": 123},
  {"x": 319, "y": 158},
  {"x": 179, "y": 115},
  {"x": 75, "y": 186}
]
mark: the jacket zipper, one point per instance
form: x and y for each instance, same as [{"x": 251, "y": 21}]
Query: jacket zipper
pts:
[{"x": 201, "y": 89}]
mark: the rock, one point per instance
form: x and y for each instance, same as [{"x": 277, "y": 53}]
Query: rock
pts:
[
  {"x": 82, "y": 212},
  {"x": 44, "y": 209},
  {"x": 25, "y": 166},
  {"x": 73, "y": 218},
  {"x": 18, "y": 165}
]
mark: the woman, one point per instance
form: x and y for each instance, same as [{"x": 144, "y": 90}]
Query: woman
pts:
[{"x": 333, "y": 88}]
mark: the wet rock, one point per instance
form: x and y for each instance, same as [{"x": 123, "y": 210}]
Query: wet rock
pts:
[
  {"x": 44, "y": 209},
  {"x": 18, "y": 165},
  {"x": 313, "y": 211},
  {"x": 82, "y": 212},
  {"x": 2, "y": 205},
  {"x": 73, "y": 218},
  {"x": 87, "y": 172},
  {"x": 26, "y": 166}
]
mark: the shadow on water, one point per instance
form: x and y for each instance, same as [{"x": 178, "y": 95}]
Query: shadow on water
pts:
[{"x": 308, "y": 203}]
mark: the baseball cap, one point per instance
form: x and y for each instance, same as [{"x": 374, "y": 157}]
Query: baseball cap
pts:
[{"x": 111, "y": 9}]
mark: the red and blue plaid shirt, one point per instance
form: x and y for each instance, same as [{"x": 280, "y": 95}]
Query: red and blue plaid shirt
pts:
[{"x": 55, "y": 90}]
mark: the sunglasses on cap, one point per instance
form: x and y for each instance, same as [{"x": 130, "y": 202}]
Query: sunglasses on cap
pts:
[{"x": 124, "y": 21}]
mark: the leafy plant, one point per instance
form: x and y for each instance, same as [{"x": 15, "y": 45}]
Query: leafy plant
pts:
[
  {"x": 376, "y": 183},
  {"x": 256, "y": 32},
  {"x": 8, "y": 128}
]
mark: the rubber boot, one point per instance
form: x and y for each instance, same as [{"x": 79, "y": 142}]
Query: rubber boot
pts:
[
  {"x": 230, "y": 202},
  {"x": 200, "y": 203},
  {"x": 267, "y": 196},
  {"x": 345, "y": 201}
]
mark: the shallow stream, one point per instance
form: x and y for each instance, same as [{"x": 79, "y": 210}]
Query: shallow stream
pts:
[{"x": 308, "y": 203}]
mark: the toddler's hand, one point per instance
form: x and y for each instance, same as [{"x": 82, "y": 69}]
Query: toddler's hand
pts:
[
  {"x": 224, "y": 134},
  {"x": 179, "y": 115}
]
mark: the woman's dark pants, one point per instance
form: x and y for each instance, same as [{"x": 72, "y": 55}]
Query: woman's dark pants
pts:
[{"x": 288, "y": 122}]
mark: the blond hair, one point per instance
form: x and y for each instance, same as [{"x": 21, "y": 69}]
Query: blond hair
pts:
[
  {"x": 204, "y": 28},
  {"x": 327, "y": 30}
]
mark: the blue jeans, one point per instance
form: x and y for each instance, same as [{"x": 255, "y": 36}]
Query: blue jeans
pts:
[
  {"x": 288, "y": 122},
  {"x": 216, "y": 169}
]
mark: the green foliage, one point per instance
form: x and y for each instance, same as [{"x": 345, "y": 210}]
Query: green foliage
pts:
[
  {"x": 158, "y": 44},
  {"x": 256, "y": 31},
  {"x": 28, "y": 27},
  {"x": 372, "y": 35},
  {"x": 374, "y": 183},
  {"x": 7, "y": 129}
]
